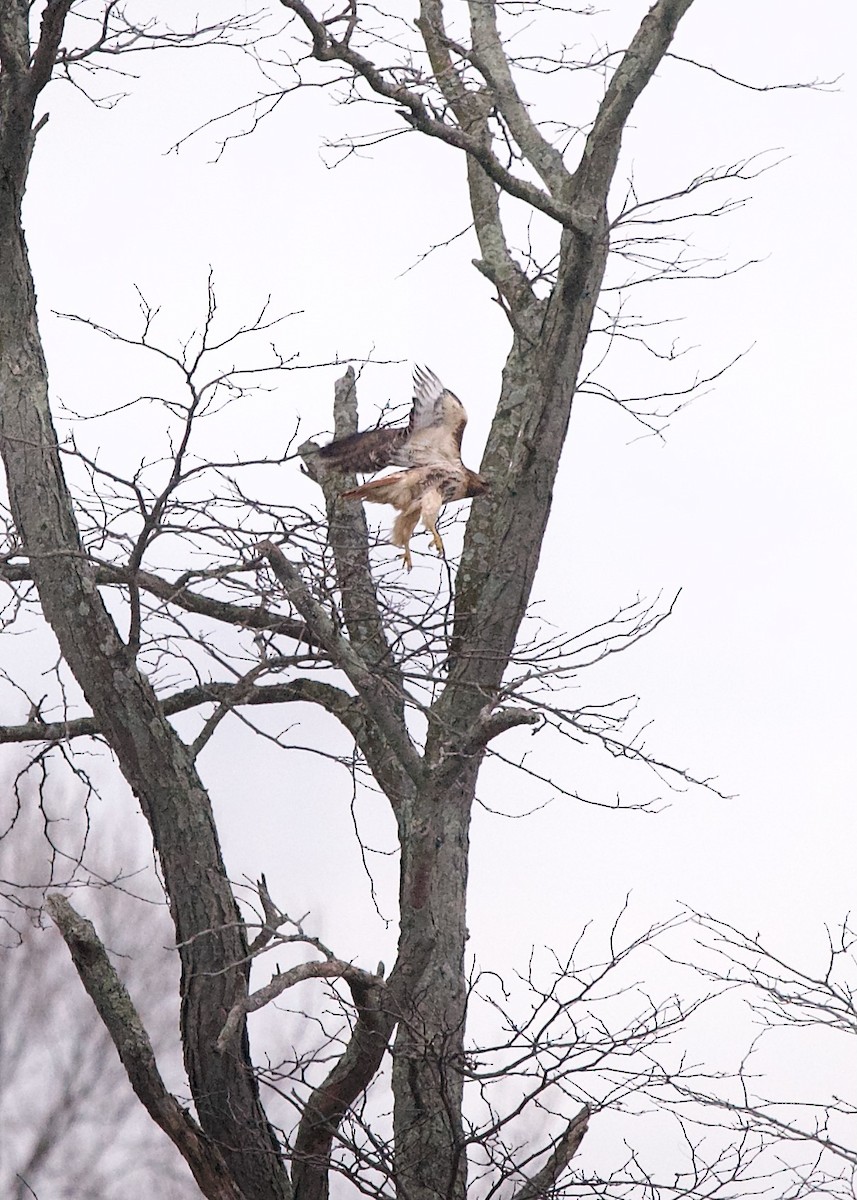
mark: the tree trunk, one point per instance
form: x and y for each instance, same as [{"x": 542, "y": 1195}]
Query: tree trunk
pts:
[
  {"x": 429, "y": 1048},
  {"x": 153, "y": 759},
  {"x": 501, "y": 556},
  {"x": 504, "y": 534}
]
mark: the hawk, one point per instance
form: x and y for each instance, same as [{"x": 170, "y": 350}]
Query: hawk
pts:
[{"x": 428, "y": 447}]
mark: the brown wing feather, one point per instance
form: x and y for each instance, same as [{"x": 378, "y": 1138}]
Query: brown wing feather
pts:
[{"x": 364, "y": 452}]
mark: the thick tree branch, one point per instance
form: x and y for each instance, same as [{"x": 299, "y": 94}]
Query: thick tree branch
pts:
[
  {"x": 126, "y": 1030},
  {"x": 355, "y": 1068},
  {"x": 332, "y": 968},
  {"x": 369, "y": 683},
  {"x": 349, "y": 541},
  {"x": 179, "y": 594},
  {"x": 447, "y": 755},
  {"x": 53, "y": 21},
  {"x": 490, "y": 59},
  {"x": 472, "y": 109},
  {"x": 350, "y": 1077},
  {"x": 327, "y": 49},
  {"x": 543, "y": 1185},
  {"x": 349, "y": 710},
  {"x": 492, "y": 723},
  {"x": 646, "y": 50},
  {"x": 234, "y": 695},
  {"x": 528, "y": 433}
]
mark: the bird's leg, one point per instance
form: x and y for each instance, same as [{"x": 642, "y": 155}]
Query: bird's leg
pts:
[
  {"x": 438, "y": 541},
  {"x": 403, "y": 529},
  {"x": 431, "y": 503}
]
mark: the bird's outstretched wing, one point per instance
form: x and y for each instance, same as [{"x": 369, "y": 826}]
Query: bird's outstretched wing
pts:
[
  {"x": 364, "y": 452},
  {"x": 436, "y": 426},
  {"x": 432, "y": 436}
]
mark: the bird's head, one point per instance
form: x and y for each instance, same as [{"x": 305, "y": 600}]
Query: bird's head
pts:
[{"x": 476, "y": 485}]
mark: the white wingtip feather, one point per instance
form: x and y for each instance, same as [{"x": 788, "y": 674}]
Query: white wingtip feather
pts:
[{"x": 427, "y": 386}]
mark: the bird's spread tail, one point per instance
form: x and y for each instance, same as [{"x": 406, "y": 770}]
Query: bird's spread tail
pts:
[{"x": 378, "y": 491}]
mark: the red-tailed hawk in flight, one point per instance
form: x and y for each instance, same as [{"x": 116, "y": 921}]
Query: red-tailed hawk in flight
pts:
[{"x": 428, "y": 447}]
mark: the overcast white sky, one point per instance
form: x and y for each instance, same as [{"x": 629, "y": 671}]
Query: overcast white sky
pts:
[{"x": 748, "y": 506}]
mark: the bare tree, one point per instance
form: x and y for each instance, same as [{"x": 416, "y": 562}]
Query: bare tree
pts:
[
  {"x": 802, "y": 1014},
  {"x": 423, "y": 684}
]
